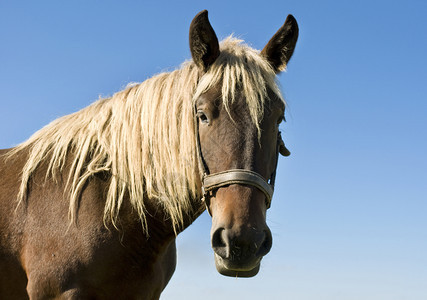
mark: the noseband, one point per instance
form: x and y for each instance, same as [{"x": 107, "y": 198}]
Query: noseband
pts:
[{"x": 211, "y": 182}]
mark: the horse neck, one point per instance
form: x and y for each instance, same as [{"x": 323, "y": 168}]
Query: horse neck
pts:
[{"x": 159, "y": 228}]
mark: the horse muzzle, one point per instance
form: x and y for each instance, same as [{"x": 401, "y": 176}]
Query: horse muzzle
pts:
[{"x": 239, "y": 253}]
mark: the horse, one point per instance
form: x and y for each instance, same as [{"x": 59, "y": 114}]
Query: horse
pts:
[{"x": 91, "y": 204}]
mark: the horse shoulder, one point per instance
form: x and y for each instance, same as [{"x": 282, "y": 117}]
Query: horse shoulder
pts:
[{"x": 48, "y": 256}]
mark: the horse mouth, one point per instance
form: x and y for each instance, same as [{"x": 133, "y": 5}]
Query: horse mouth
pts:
[{"x": 234, "y": 269}]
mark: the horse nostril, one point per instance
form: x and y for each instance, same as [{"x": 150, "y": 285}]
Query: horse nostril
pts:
[
  {"x": 219, "y": 245},
  {"x": 266, "y": 244},
  {"x": 253, "y": 243}
]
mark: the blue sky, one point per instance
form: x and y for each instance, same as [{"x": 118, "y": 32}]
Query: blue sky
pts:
[{"x": 349, "y": 212}]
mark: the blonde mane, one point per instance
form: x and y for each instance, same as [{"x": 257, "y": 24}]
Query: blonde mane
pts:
[{"x": 144, "y": 135}]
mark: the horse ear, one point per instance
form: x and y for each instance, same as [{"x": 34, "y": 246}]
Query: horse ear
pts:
[
  {"x": 204, "y": 44},
  {"x": 280, "y": 48}
]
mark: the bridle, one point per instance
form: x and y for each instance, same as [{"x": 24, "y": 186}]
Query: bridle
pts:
[{"x": 211, "y": 182}]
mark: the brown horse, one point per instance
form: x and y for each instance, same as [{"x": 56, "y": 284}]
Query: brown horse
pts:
[{"x": 90, "y": 205}]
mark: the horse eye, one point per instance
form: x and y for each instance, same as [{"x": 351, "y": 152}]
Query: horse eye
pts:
[
  {"x": 280, "y": 120},
  {"x": 202, "y": 117}
]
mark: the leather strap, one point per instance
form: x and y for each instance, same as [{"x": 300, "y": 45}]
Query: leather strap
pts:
[{"x": 238, "y": 176}]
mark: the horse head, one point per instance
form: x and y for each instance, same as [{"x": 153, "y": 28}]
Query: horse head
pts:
[{"x": 239, "y": 141}]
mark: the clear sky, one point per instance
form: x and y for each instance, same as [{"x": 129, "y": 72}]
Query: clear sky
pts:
[{"x": 349, "y": 215}]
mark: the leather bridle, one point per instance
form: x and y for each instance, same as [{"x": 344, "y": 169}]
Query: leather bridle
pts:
[{"x": 211, "y": 182}]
